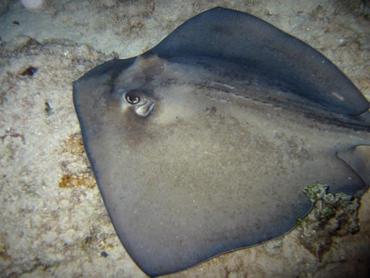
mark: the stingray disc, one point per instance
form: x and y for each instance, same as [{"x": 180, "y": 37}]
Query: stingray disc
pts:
[{"x": 203, "y": 144}]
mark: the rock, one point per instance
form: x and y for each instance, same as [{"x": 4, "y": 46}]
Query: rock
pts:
[
  {"x": 332, "y": 215},
  {"x": 33, "y": 4}
]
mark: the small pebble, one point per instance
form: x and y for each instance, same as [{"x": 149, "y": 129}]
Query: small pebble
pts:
[
  {"x": 104, "y": 254},
  {"x": 30, "y": 71}
]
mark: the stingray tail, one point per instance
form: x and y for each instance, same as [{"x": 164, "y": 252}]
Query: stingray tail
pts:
[
  {"x": 358, "y": 158},
  {"x": 365, "y": 117}
]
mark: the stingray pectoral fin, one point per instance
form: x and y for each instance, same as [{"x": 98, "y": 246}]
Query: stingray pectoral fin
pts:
[
  {"x": 358, "y": 158},
  {"x": 267, "y": 51}
]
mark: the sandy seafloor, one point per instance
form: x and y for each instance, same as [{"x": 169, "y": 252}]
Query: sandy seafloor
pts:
[{"x": 52, "y": 219}]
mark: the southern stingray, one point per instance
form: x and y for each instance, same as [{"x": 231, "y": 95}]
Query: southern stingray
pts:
[{"x": 204, "y": 143}]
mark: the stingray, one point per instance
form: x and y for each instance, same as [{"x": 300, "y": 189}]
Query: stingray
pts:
[{"x": 204, "y": 143}]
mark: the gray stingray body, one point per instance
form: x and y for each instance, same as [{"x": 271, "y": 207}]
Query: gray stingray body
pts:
[{"x": 203, "y": 144}]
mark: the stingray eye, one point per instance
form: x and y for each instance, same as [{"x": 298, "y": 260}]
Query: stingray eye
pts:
[{"x": 132, "y": 98}]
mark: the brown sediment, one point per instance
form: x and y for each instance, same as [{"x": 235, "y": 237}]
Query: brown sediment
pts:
[
  {"x": 82, "y": 180},
  {"x": 73, "y": 144}
]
